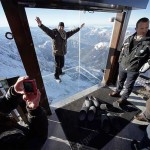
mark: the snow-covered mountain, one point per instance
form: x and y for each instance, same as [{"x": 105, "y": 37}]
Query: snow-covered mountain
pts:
[
  {"x": 10, "y": 61},
  {"x": 93, "y": 46},
  {"x": 83, "y": 65}
]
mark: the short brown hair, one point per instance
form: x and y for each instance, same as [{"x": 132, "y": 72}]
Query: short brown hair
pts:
[
  {"x": 144, "y": 19},
  {"x": 61, "y": 24}
]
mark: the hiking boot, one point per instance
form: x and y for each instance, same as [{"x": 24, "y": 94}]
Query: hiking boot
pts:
[{"x": 114, "y": 94}]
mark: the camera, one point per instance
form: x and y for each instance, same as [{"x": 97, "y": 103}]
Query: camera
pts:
[{"x": 30, "y": 86}]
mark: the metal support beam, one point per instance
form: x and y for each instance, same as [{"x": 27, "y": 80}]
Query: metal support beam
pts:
[
  {"x": 18, "y": 23},
  {"x": 118, "y": 34},
  {"x": 85, "y": 4}
]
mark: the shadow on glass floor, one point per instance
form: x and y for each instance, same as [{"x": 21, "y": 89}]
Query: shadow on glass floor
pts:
[{"x": 73, "y": 81}]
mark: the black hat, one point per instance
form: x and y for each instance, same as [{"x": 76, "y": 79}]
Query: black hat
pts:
[{"x": 61, "y": 24}]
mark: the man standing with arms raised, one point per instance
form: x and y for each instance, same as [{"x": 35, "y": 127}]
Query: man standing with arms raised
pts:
[{"x": 59, "y": 37}]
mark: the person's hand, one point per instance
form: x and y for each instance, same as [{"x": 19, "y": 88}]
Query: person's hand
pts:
[
  {"x": 18, "y": 86},
  {"x": 82, "y": 25},
  {"x": 147, "y": 87},
  {"x": 38, "y": 21},
  {"x": 32, "y": 100}
]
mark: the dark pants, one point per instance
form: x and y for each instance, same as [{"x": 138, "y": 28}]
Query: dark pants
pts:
[
  {"x": 145, "y": 143},
  {"x": 59, "y": 64},
  {"x": 130, "y": 78}
]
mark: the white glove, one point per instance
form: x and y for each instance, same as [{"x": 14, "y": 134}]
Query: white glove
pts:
[{"x": 144, "y": 68}]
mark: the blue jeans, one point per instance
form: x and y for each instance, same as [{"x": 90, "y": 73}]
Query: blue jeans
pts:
[{"x": 130, "y": 78}]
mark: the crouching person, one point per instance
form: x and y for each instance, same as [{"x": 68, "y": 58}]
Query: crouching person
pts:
[
  {"x": 145, "y": 116},
  {"x": 13, "y": 135}
]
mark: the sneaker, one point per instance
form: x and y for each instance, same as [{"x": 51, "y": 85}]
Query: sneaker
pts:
[
  {"x": 91, "y": 113},
  {"x": 140, "y": 118},
  {"x": 105, "y": 123},
  {"x": 121, "y": 101},
  {"x": 95, "y": 101},
  {"x": 58, "y": 80},
  {"x": 114, "y": 94},
  {"x": 88, "y": 103},
  {"x": 83, "y": 113},
  {"x": 105, "y": 106}
]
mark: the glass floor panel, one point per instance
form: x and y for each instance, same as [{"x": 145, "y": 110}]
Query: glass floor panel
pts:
[{"x": 73, "y": 81}]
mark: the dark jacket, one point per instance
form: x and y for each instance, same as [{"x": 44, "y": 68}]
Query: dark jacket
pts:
[
  {"x": 16, "y": 137},
  {"x": 59, "y": 44},
  {"x": 132, "y": 58}
]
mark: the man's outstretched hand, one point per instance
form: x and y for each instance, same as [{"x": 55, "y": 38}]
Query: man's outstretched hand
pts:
[
  {"x": 38, "y": 21},
  {"x": 82, "y": 25}
]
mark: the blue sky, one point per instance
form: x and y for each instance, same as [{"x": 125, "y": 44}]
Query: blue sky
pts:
[{"x": 53, "y": 16}]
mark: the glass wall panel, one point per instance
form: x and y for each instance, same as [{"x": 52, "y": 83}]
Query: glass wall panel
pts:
[
  {"x": 94, "y": 44},
  {"x": 87, "y": 50},
  {"x": 10, "y": 61}
]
